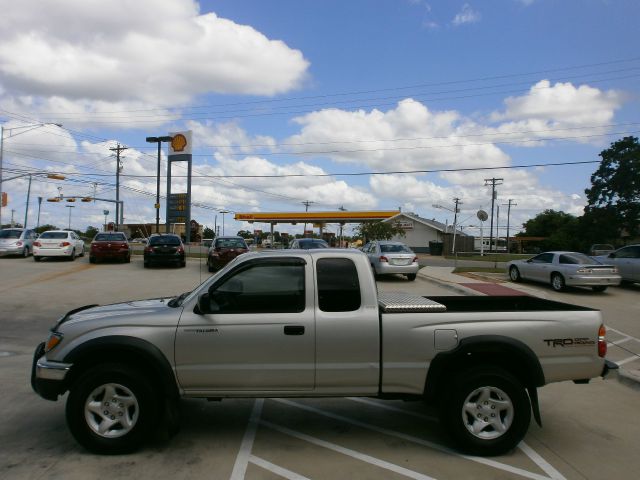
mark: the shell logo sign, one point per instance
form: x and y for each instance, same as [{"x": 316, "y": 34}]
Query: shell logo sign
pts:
[{"x": 179, "y": 142}]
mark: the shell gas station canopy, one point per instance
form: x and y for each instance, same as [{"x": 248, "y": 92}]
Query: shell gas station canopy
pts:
[{"x": 293, "y": 218}]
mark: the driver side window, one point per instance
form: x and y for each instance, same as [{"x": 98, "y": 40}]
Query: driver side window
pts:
[{"x": 261, "y": 287}]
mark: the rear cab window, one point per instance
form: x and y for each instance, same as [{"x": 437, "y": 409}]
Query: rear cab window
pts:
[{"x": 338, "y": 285}]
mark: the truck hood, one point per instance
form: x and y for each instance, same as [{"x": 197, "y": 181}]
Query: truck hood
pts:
[{"x": 134, "y": 308}]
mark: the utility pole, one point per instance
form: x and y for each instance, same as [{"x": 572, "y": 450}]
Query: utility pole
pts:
[
  {"x": 39, "y": 204},
  {"x": 508, "y": 216},
  {"x": 455, "y": 223},
  {"x": 118, "y": 149},
  {"x": 306, "y": 204},
  {"x": 493, "y": 182}
]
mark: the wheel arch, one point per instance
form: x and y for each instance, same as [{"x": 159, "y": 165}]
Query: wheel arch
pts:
[
  {"x": 127, "y": 350},
  {"x": 505, "y": 353}
]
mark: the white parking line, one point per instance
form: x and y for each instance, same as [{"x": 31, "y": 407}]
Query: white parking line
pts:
[
  {"x": 242, "y": 460},
  {"x": 623, "y": 334},
  {"x": 629, "y": 359},
  {"x": 349, "y": 452},
  {"x": 393, "y": 409},
  {"x": 283, "y": 472},
  {"x": 426, "y": 443}
]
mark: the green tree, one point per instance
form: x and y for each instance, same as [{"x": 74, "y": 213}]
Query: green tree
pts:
[
  {"x": 44, "y": 228},
  {"x": 90, "y": 232},
  {"x": 208, "y": 232},
  {"x": 378, "y": 231},
  {"x": 560, "y": 229},
  {"x": 614, "y": 196}
]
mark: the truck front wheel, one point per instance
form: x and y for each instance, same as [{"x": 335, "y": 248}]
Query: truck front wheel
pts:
[
  {"x": 111, "y": 409},
  {"x": 486, "y": 412}
]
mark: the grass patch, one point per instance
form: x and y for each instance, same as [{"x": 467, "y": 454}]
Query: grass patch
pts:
[{"x": 490, "y": 257}]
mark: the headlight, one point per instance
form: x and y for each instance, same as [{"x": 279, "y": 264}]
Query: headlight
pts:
[{"x": 54, "y": 339}]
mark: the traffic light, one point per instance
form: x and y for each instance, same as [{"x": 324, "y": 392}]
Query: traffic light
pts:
[
  {"x": 5, "y": 199},
  {"x": 71, "y": 199},
  {"x": 54, "y": 199},
  {"x": 87, "y": 199}
]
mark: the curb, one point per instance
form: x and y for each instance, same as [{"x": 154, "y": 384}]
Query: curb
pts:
[
  {"x": 448, "y": 285},
  {"x": 627, "y": 378}
]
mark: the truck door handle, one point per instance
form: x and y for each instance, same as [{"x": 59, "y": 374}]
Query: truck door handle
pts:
[{"x": 294, "y": 330}]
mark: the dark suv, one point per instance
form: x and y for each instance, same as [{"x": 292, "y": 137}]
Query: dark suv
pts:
[
  {"x": 164, "y": 248},
  {"x": 223, "y": 250}
]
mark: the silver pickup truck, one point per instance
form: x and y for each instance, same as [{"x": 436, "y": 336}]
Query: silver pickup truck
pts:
[{"x": 310, "y": 323}]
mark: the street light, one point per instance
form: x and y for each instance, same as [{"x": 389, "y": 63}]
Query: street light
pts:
[
  {"x": 70, "y": 207},
  {"x": 223, "y": 212},
  {"x": 2, "y": 130},
  {"x": 54, "y": 176},
  {"x": 455, "y": 211},
  {"x": 159, "y": 141}
]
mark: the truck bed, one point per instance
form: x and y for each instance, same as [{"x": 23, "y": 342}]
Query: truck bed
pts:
[{"x": 524, "y": 303}]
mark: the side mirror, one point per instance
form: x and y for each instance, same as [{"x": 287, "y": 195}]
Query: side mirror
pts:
[{"x": 204, "y": 305}]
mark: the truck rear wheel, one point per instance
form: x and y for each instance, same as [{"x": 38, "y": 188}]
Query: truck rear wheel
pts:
[
  {"x": 486, "y": 411},
  {"x": 111, "y": 409}
]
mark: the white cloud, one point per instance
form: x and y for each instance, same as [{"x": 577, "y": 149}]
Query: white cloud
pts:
[
  {"x": 466, "y": 15},
  {"x": 124, "y": 54}
]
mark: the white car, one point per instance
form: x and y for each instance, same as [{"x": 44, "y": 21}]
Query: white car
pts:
[
  {"x": 58, "y": 243},
  {"x": 387, "y": 257},
  {"x": 565, "y": 269}
]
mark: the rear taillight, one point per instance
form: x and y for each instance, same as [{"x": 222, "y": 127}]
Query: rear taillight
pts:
[
  {"x": 36, "y": 244},
  {"x": 383, "y": 259},
  {"x": 602, "y": 341},
  {"x": 415, "y": 259},
  {"x": 94, "y": 245},
  {"x": 148, "y": 249},
  {"x": 65, "y": 244},
  {"x": 180, "y": 250},
  {"x": 19, "y": 243}
]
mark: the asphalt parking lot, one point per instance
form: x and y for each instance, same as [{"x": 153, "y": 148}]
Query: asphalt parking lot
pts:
[{"x": 589, "y": 431}]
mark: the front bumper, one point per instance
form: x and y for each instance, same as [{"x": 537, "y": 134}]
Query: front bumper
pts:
[{"x": 48, "y": 379}]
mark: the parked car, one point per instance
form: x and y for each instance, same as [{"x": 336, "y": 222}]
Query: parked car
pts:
[
  {"x": 164, "y": 248},
  {"x": 17, "y": 241},
  {"x": 600, "y": 249},
  {"x": 110, "y": 246},
  {"x": 387, "y": 257},
  {"x": 58, "y": 243},
  {"x": 561, "y": 269},
  {"x": 627, "y": 259},
  {"x": 308, "y": 243},
  {"x": 223, "y": 250}
]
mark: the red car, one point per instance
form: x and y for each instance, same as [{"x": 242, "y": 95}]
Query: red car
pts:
[
  {"x": 223, "y": 250},
  {"x": 110, "y": 246}
]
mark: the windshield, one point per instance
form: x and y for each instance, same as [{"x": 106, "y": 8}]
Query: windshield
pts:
[
  {"x": 394, "y": 248},
  {"x": 10, "y": 233},
  {"x": 164, "y": 240},
  {"x": 110, "y": 237},
  {"x": 230, "y": 243},
  {"x": 576, "y": 259},
  {"x": 54, "y": 235}
]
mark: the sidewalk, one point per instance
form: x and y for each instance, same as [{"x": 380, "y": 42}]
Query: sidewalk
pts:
[{"x": 491, "y": 284}]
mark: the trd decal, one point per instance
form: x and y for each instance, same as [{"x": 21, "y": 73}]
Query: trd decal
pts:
[{"x": 569, "y": 342}]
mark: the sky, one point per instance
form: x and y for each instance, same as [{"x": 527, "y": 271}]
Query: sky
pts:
[{"x": 358, "y": 104}]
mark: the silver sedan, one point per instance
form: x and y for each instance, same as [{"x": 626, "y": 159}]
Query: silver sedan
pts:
[
  {"x": 388, "y": 257},
  {"x": 561, "y": 269}
]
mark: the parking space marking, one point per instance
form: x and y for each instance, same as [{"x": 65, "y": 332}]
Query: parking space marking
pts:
[
  {"x": 628, "y": 359},
  {"x": 553, "y": 473},
  {"x": 283, "y": 472},
  {"x": 349, "y": 452},
  {"x": 242, "y": 460},
  {"x": 393, "y": 409}
]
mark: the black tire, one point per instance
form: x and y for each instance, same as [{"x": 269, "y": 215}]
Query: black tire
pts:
[
  {"x": 128, "y": 259},
  {"x": 25, "y": 252},
  {"x": 599, "y": 288},
  {"x": 82, "y": 252},
  {"x": 514, "y": 274},
  {"x": 557, "y": 282},
  {"x": 470, "y": 401},
  {"x": 92, "y": 259},
  {"x": 145, "y": 264},
  {"x": 210, "y": 267},
  {"x": 411, "y": 277},
  {"x": 36, "y": 259},
  {"x": 125, "y": 425},
  {"x": 183, "y": 263},
  {"x": 72, "y": 257}
]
